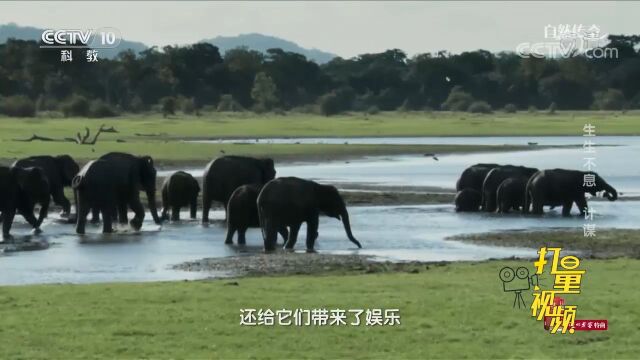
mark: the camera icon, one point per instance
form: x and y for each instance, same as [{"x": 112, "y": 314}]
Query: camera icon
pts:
[{"x": 517, "y": 281}]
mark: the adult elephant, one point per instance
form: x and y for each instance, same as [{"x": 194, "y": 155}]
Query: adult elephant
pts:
[
  {"x": 111, "y": 185},
  {"x": 473, "y": 176},
  {"x": 224, "y": 175},
  {"x": 133, "y": 174},
  {"x": 59, "y": 171},
  {"x": 20, "y": 190},
  {"x": 510, "y": 194},
  {"x": 290, "y": 201},
  {"x": 557, "y": 187},
  {"x": 495, "y": 177},
  {"x": 467, "y": 200},
  {"x": 178, "y": 190},
  {"x": 242, "y": 213}
]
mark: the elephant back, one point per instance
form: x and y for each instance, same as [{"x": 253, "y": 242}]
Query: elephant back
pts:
[
  {"x": 47, "y": 164},
  {"x": 225, "y": 174}
]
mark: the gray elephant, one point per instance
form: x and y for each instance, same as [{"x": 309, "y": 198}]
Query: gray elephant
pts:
[
  {"x": 510, "y": 194},
  {"x": 59, "y": 171},
  {"x": 473, "y": 176},
  {"x": 242, "y": 213},
  {"x": 20, "y": 190},
  {"x": 290, "y": 201},
  {"x": 224, "y": 175},
  {"x": 560, "y": 187},
  {"x": 112, "y": 184},
  {"x": 467, "y": 200},
  {"x": 178, "y": 190},
  {"x": 495, "y": 177}
]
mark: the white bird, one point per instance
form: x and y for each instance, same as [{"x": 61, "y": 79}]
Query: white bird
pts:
[{"x": 447, "y": 78}]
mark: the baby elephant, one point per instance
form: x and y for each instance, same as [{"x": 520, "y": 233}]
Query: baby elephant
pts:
[
  {"x": 242, "y": 213},
  {"x": 178, "y": 190},
  {"x": 510, "y": 194},
  {"x": 468, "y": 199}
]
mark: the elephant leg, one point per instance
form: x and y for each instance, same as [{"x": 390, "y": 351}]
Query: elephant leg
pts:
[
  {"x": 231, "y": 230},
  {"x": 582, "y": 205},
  {"x": 206, "y": 205},
  {"x": 165, "y": 204},
  {"x": 107, "y": 220},
  {"x": 242, "y": 240},
  {"x": 312, "y": 232},
  {"x": 95, "y": 215},
  {"x": 270, "y": 234},
  {"x": 82, "y": 210},
  {"x": 566, "y": 208},
  {"x": 536, "y": 207},
  {"x": 194, "y": 208},
  {"x": 60, "y": 199},
  {"x": 175, "y": 213},
  {"x": 8, "y": 215},
  {"x": 122, "y": 212},
  {"x": 138, "y": 210},
  {"x": 293, "y": 236},
  {"x": 27, "y": 214},
  {"x": 284, "y": 232}
]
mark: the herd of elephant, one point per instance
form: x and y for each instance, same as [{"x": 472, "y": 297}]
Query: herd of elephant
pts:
[
  {"x": 502, "y": 188},
  {"x": 110, "y": 186}
]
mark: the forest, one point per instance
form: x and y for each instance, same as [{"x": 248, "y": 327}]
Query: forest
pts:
[{"x": 198, "y": 77}]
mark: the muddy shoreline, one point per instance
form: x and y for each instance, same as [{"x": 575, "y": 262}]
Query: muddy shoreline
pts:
[
  {"x": 300, "y": 263},
  {"x": 607, "y": 244}
]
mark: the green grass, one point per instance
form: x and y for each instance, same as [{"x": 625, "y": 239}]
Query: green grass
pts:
[
  {"x": 452, "y": 311},
  {"x": 214, "y": 125}
]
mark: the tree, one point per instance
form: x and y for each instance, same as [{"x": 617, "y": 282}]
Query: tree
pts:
[
  {"x": 168, "y": 105},
  {"x": 264, "y": 92}
]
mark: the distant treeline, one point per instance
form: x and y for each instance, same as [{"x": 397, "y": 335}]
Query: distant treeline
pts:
[{"x": 195, "y": 77}]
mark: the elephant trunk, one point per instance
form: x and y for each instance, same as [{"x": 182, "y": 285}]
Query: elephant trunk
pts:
[
  {"x": 610, "y": 193},
  {"x": 151, "y": 196},
  {"x": 347, "y": 228}
]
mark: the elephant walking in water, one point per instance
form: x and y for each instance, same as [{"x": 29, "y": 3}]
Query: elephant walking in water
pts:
[
  {"x": 20, "y": 190},
  {"x": 467, "y": 200},
  {"x": 495, "y": 177},
  {"x": 112, "y": 184},
  {"x": 242, "y": 213},
  {"x": 290, "y": 201},
  {"x": 510, "y": 194},
  {"x": 473, "y": 176},
  {"x": 469, "y": 187},
  {"x": 560, "y": 187},
  {"x": 59, "y": 171},
  {"x": 224, "y": 175},
  {"x": 178, "y": 190}
]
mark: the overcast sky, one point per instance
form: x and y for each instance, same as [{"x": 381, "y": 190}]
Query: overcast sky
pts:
[{"x": 344, "y": 28}]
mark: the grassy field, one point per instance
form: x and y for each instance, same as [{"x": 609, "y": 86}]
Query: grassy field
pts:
[
  {"x": 151, "y": 134},
  {"x": 452, "y": 311},
  {"x": 249, "y": 125}
]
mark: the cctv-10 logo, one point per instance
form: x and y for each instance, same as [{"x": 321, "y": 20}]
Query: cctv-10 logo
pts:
[{"x": 103, "y": 38}]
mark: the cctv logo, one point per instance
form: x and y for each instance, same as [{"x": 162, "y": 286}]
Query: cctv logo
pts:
[
  {"x": 66, "y": 38},
  {"x": 102, "y": 38}
]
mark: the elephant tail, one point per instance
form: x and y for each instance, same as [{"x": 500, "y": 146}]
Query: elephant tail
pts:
[
  {"x": 77, "y": 181},
  {"x": 499, "y": 198},
  {"x": 527, "y": 200}
]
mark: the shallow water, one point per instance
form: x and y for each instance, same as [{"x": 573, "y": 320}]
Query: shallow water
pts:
[
  {"x": 426, "y": 140},
  {"x": 619, "y": 165},
  {"x": 390, "y": 232}
]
